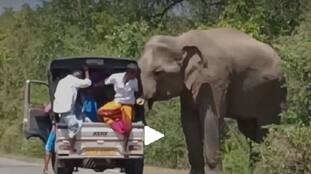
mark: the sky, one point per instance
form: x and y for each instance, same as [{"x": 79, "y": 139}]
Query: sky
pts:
[{"x": 16, "y": 4}]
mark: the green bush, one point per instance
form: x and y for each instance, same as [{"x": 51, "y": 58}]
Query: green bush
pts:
[
  {"x": 235, "y": 151},
  {"x": 13, "y": 142},
  {"x": 286, "y": 150},
  {"x": 171, "y": 150},
  {"x": 12, "y": 135},
  {"x": 296, "y": 53},
  {"x": 32, "y": 147}
]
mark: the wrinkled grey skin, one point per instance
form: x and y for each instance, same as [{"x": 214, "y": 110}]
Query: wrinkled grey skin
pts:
[{"x": 217, "y": 73}]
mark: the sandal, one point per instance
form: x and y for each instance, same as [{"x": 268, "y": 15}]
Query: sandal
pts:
[{"x": 45, "y": 171}]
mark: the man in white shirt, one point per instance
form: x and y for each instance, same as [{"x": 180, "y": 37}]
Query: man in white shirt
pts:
[
  {"x": 125, "y": 85},
  {"x": 65, "y": 99}
]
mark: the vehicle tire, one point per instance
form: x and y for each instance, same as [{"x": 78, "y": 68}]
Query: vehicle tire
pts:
[
  {"x": 134, "y": 166},
  {"x": 61, "y": 169}
]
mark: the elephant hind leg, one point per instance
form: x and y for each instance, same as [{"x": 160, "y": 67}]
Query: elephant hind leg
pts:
[{"x": 251, "y": 129}]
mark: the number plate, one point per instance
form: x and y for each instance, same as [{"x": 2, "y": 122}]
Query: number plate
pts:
[{"x": 100, "y": 152}]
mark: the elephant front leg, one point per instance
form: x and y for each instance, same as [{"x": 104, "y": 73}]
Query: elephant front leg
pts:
[
  {"x": 192, "y": 131},
  {"x": 211, "y": 142},
  {"x": 193, "y": 135},
  {"x": 211, "y": 108}
]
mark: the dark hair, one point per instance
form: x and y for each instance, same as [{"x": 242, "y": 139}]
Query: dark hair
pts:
[
  {"x": 132, "y": 71},
  {"x": 132, "y": 66},
  {"x": 77, "y": 73}
]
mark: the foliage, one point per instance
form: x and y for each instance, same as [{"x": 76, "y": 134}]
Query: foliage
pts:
[
  {"x": 286, "y": 150},
  {"x": 169, "y": 151},
  {"x": 244, "y": 15},
  {"x": 263, "y": 19},
  {"x": 297, "y": 58},
  {"x": 128, "y": 39},
  {"x": 235, "y": 151},
  {"x": 13, "y": 142}
]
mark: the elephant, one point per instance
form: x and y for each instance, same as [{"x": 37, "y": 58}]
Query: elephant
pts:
[{"x": 216, "y": 73}]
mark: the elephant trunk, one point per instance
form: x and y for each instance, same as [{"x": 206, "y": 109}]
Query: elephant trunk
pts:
[{"x": 148, "y": 105}]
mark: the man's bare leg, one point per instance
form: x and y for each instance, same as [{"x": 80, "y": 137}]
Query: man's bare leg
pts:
[
  {"x": 47, "y": 158},
  {"x": 72, "y": 145}
]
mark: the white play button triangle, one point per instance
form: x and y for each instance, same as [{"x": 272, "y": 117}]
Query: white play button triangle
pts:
[{"x": 151, "y": 135}]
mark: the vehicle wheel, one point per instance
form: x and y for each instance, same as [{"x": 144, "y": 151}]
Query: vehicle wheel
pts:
[
  {"x": 134, "y": 166},
  {"x": 60, "y": 168}
]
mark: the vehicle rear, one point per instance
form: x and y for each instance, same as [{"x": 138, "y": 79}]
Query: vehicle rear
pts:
[{"x": 97, "y": 146}]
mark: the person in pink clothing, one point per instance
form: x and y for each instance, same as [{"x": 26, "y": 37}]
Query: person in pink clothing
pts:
[{"x": 119, "y": 113}]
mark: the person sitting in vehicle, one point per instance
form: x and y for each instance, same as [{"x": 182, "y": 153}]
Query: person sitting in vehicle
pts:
[
  {"x": 89, "y": 106},
  {"x": 65, "y": 100},
  {"x": 119, "y": 113}
]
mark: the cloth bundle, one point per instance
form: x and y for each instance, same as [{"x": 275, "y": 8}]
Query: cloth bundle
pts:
[{"x": 118, "y": 116}]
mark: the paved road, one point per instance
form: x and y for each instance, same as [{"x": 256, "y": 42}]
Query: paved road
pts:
[{"x": 11, "y": 166}]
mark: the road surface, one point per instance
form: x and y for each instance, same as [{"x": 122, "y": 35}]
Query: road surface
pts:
[{"x": 12, "y": 166}]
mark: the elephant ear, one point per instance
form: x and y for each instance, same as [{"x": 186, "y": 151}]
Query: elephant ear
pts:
[{"x": 192, "y": 65}]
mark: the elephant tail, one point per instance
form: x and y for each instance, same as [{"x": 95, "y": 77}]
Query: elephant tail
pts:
[{"x": 283, "y": 91}]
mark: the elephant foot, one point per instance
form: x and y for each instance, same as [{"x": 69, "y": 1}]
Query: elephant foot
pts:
[{"x": 197, "y": 171}]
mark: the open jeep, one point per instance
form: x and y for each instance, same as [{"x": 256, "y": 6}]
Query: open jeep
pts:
[{"x": 97, "y": 146}]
